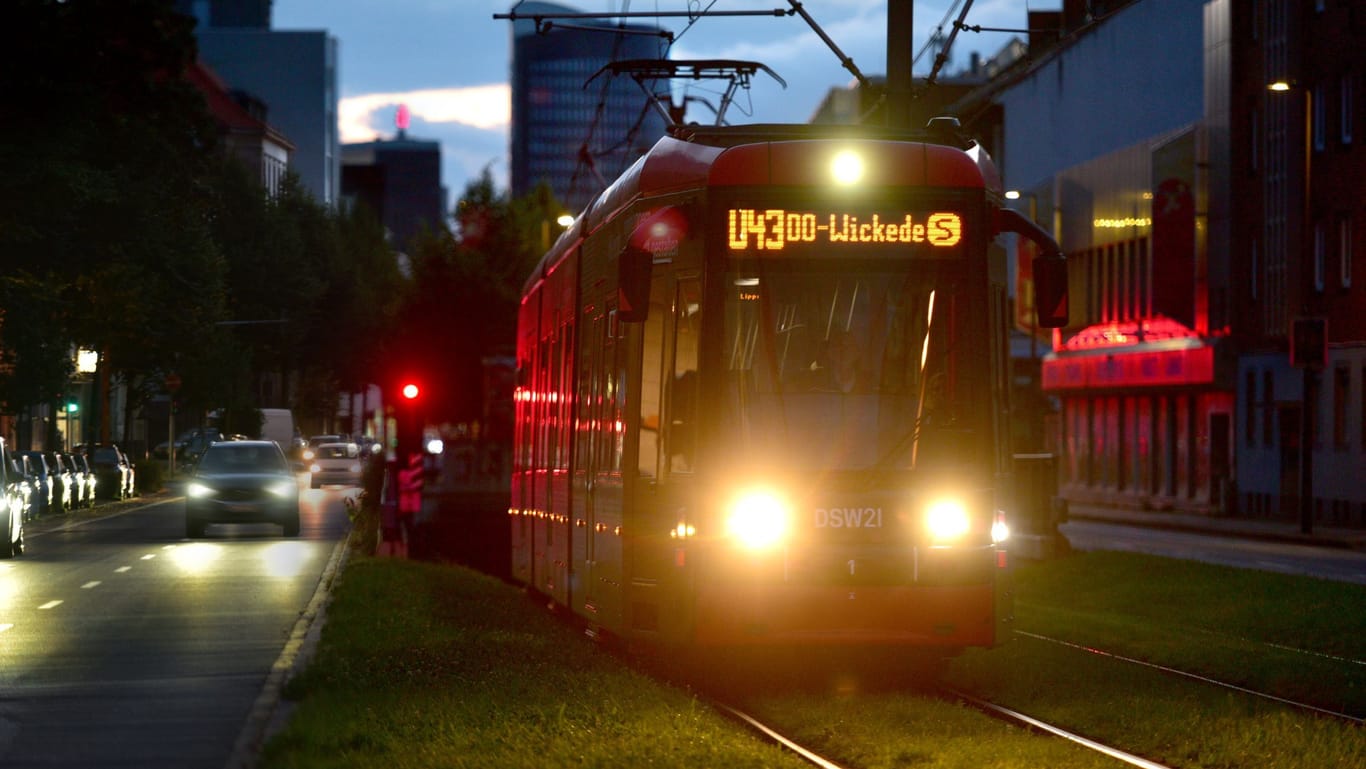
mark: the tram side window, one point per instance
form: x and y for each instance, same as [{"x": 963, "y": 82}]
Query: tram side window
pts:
[
  {"x": 651, "y": 373},
  {"x": 541, "y": 458},
  {"x": 682, "y": 438}
]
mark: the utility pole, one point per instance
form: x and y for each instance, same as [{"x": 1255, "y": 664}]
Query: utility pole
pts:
[{"x": 900, "y": 25}]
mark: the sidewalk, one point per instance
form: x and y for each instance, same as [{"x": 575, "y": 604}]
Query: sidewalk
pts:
[{"x": 1251, "y": 528}]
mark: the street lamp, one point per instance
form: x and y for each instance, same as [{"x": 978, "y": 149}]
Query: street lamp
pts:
[
  {"x": 563, "y": 221},
  {"x": 1308, "y": 334}
]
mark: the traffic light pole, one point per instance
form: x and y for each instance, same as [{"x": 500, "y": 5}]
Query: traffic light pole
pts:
[
  {"x": 1307, "y": 417},
  {"x": 408, "y": 418}
]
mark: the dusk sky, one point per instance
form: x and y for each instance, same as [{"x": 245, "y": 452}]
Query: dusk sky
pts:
[{"x": 448, "y": 60}]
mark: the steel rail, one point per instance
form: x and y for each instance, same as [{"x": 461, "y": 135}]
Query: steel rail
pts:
[
  {"x": 772, "y": 734},
  {"x": 1034, "y": 723},
  {"x": 1197, "y": 677}
]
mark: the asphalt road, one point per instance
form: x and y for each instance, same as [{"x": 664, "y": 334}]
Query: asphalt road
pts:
[
  {"x": 123, "y": 644},
  {"x": 1339, "y": 564}
]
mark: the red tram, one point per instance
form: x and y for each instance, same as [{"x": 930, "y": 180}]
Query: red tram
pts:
[{"x": 762, "y": 394}]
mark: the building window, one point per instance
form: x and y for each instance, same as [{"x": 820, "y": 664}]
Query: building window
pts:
[
  {"x": 1345, "y": 252},
  {"x": 1345, "y": 109},
  {"x": 1254, "y": 119},
  {"x": 1342, "y": 385},
  {"x": 1256, "y": 270},
  {"x": 1268, "y": 408},
  {"x": 1320, "y": 118},
  {"x": 1250, "y": 412},
  {"x": 1320, "y": 255}
]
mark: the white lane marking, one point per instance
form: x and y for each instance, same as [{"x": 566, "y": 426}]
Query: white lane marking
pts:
[
  {"x": 169, "y": 547},
  {"x": 90, "y": 584},
  {"x": 149, "y": 556},
  {"x": 50, "y": 605},
  {"x": 122, "y": 569}
]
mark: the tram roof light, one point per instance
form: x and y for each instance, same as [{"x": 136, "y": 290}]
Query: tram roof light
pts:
[{"x": 847, "y": 167}]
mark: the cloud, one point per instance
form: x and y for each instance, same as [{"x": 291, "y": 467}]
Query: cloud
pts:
[{"x": 487, "y": 107}]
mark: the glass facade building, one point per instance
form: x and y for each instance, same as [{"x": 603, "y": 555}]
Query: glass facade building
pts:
[{"x": 575, "y": 134}]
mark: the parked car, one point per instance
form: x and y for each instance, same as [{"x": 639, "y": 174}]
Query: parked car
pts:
[
  {"x": 335, "y": 463},
  {"x": 113, "y": 470},
  {"x": 199, "y": 442},
  {"x": 34, "y": 491},
  {"x": 13, "y": 498},
  {"x": 47, "y": 484},
  {"x": 85, "y": 480},
  {"x": 196, "y": 436},
  {"x": 61, "y": 482},
  {"x": 242, "y": 482}
]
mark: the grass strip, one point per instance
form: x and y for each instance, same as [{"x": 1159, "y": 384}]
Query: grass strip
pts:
[
  {"x": 894, "y": 730},
  {"x": 1295, "y": 637},
  {"x": 1268, "y": 632},
  {"x": 425, "y": 665}
]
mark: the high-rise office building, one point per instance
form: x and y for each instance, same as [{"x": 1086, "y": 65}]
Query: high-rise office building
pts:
[
  {"x": 224, "y": 14},
  {"x": 400, "y": 180},
  {"x": 293, "y": 73},
  {"x": 576, "y": 138}
]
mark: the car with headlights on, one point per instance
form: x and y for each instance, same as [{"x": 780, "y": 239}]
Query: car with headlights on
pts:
[
  {"x": 335, "y": 463},
  {"x": 113, "y": 470},
  {"x": 63, "y": 484},
  {"x": 310, "y": 449},
  {"x": 46, "y": 484},
  {"x": 14, "y": 494},
  {"x": 242, "y": 482},
  {"x": 34, "y": 490},
  {"x": 84, "y": 480}
]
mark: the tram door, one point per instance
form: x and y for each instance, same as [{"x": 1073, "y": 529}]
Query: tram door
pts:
[
  {"x": 651, "y": 518},
  {"x": 598, "y": 522}
]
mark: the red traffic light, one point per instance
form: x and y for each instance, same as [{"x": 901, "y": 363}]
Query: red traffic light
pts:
[{"x": 410, "y": 391}]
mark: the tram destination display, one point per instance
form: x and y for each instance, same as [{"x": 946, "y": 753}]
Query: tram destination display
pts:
[{"x": 789, "y": 231}]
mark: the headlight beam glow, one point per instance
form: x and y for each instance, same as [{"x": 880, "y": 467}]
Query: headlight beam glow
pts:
[
  {"x": 847, "y": 168},
  {"x": 947, "y": 520},
  {"x": 759, "y": 519}
]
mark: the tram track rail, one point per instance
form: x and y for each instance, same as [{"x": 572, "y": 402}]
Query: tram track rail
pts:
[
  {"x": 993, "y": 710},
  {"x": 1301, "y": 706},
  {"x": 1016, "y": 717},
  {"x": 772, "y": 734}
]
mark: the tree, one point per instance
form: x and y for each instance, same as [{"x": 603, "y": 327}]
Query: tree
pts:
[
  {"x": 123, "y": 228},
  {"x": 463, "y": 293},
  {"x": 101, "y": 226}
]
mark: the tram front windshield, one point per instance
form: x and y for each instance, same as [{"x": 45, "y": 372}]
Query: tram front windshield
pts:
[{"x": 838, "y": 370}]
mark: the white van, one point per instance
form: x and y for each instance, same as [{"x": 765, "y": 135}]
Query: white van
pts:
[{"x": 278, "y": 425}]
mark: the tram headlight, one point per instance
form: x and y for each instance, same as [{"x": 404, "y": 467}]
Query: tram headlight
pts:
[
  {"x": 846, "y": 168},
  {"x": 947, "y": 520},
  {"x": 759, "y": 519}
]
